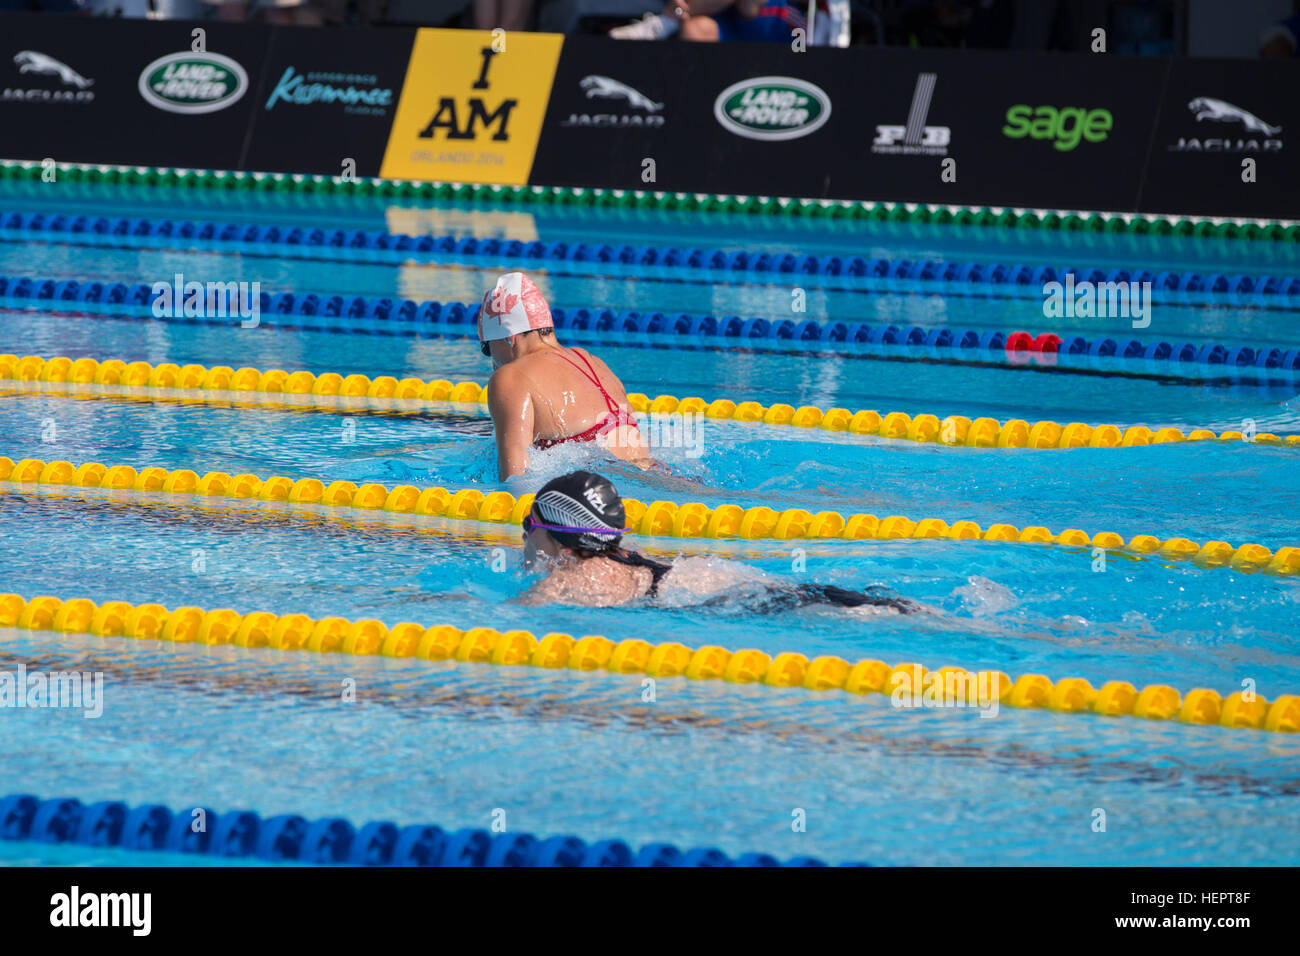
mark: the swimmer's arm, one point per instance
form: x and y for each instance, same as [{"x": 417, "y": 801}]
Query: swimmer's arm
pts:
[{"x": 511, "y": 405}]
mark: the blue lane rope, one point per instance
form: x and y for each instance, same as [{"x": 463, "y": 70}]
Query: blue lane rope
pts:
[
  {"x": 289, "y": 837},
  {"x": 682, "y": 325},
  {"x": 754, "y": 263}
]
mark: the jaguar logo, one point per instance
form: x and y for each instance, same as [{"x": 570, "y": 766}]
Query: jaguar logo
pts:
[
  {"x": 1207, "y": 108},
  {"x": 607, "y": 88},
  {"x": 29, "y": 61}
]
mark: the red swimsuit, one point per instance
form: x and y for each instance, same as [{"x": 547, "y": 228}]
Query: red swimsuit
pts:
[{"x": 609, "y": 421}]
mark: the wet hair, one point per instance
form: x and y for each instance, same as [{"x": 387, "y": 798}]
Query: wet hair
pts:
[{"x": 581, "y": 510}]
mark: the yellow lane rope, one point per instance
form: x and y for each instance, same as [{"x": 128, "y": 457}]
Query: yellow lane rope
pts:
[
  {"x": 908, "y": 684},
  {"x": 290, "y": 386},
  {"x": 656, "y": 519}
]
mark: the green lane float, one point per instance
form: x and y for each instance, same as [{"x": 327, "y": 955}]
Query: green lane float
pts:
[{"x": 850, "y": 210}]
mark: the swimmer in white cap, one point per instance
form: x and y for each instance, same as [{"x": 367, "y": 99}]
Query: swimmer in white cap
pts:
[{"x": 542, "y": 394}]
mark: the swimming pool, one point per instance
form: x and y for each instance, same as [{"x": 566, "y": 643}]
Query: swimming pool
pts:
[{"x": 708, "y": 762}]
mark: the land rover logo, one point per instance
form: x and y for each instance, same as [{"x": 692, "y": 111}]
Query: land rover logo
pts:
[
  {"x": 193, "y": 82},
  {"x": 772, "y": 107}
]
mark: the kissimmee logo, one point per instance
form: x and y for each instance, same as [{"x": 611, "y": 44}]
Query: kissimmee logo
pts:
[
  {"x": 1258, "y": 136},
  {"x": 71, "y": 86},
  {"x": 772, "y": 108},
  {"x": 356, "y": 92},
  {"x": 471, "y": 107},
  {"x": 193, "y": 82},
  {"x": 1065, "y": 128}
]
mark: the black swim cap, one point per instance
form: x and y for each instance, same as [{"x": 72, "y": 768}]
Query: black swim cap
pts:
[{"x": 581, "y": 510}]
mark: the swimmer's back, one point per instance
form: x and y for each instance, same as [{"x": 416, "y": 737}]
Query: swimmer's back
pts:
[{"x": 564, "y": 399}]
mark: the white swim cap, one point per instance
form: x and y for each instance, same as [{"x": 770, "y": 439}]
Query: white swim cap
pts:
[{"x": 513, "y": 305}]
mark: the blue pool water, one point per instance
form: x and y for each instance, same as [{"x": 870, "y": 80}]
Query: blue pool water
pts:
[{"x": 707, "y": 763}]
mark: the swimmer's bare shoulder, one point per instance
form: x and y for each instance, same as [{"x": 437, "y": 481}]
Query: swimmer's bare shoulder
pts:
[
  {"x": 606, "y": 584},
  {"x": 552, "y": 589},
  {"x": 506, "y": 383}
]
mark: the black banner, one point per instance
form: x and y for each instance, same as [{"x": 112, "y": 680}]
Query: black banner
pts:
[
  {"x": 1151, "y": 906},
  {"x": 1215, "y": 115},
  {"x": 998, "y": 128},
  {"x": 935, "y": 126},
  {"x": 98, "y": 90},
  {"x": 329, "y": 97},
  {"x": 615, "y": 105}
]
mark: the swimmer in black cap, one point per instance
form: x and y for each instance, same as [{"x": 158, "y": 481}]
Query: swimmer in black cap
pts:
[{"x": 575, "y": 526}]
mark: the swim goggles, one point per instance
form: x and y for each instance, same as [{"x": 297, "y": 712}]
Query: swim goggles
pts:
[{"x": 531, "y": 524}]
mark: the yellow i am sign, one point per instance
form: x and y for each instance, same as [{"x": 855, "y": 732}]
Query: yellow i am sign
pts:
[{"x": 472, "y": 106}]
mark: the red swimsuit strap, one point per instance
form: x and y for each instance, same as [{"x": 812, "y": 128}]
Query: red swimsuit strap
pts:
[{"x": 591, "y": 376}]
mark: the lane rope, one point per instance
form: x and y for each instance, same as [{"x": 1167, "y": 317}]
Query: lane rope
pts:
[
  {"x": 952, "y": 430},
  {"x": 950, "y": 686},
  {"x": 756, "y": 266},
  {"x": 684, "y": 328},
  {"x": 1052, "y": 220},
  {"x": 655, "y": 519},
  {"x": 292, "y": 838}
]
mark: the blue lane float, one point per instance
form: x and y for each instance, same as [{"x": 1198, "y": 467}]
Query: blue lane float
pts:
[
  {"x": 718, "y": 260},
  {"x": 290, "y": 838},
  {"x": 685, "y": 328}
]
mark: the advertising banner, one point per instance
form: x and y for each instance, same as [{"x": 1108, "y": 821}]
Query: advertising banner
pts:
[
  {"x": 609, "y": 112},
  {"x": 1217, "y": 115},
  {"x": 328, "y": 101},
  {"x": 471, "y": 106},
  {"x": 935, "y": 126},
  {"x": 97, "y": 90},
  {"x": 1042, "y": 130},
  {"x": 973, "y": 127}
]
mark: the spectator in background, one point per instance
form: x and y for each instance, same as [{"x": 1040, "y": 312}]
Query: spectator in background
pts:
[
  {"x": 1282, "y": 39},
  {"x": 711, "y": 21},
  {"x": 1035, "y": 20},
  {"x": 147, "y": 9},
  {"x": 507, "y": 14},
  {"x": 44, "y": 6},
  {"x": 298, "y": 12},
  {"x": 965, "y": 24}
]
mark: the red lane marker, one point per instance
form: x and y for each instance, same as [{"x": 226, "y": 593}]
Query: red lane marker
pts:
[{"x": 1047, "y": 342}]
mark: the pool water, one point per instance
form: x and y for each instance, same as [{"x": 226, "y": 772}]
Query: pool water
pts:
[{"x": 706, "y": 763}]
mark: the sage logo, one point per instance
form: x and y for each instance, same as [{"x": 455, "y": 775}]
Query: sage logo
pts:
[
  {"x": 193, "y": 82},
  {"x": 1064, "y": 127},
  {"x": 772, "y": 108}
]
